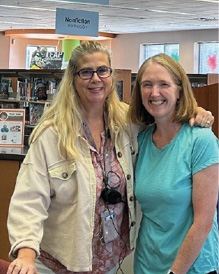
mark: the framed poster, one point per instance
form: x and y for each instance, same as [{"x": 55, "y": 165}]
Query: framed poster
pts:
[{"x": 12, "y": 122}]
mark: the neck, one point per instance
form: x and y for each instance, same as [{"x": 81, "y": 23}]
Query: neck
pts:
[
  {"x": 167, "y": 128},
  {"x": 93, "y": 114},
  {"x": 165, "y": 132},
  {"x": 95, "y": 121}
]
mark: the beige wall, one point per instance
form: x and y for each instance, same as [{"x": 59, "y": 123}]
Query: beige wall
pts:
[
  {"x": 4, "y": 51},
  {"x": 126, "y": 47},
  {"x": 14, "y": 54},
  {"x": 17, "y": 58}
]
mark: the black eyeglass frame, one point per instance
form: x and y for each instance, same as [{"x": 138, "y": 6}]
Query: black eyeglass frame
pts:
[{"x": 94, "y": 71}]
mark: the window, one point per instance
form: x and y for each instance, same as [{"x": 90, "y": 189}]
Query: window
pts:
[
  {"x": 170, "y": 49},
  {"x": 40, "y": 50},
  {"x": 208, "y": 57}
]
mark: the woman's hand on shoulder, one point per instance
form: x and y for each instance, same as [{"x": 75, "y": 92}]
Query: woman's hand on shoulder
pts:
[
  {"x": 24, "y": 263},
  {"x": 203, "y": 118}
]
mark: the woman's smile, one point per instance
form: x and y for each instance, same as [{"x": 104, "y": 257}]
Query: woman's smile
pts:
[{"x": 156, "y": 102}]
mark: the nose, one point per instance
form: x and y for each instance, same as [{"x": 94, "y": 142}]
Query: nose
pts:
[
  {"x": 155, "y": 90},
  {"x": 95, "y": 76}
]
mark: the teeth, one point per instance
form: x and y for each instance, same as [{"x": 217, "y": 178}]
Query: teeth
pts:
[
  {"x": 156, "y": 102},
  {"x": 95, "y": 88}
]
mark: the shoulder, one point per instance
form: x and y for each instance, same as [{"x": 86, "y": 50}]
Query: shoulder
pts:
[
  {"x": 200, "y": 138},
  {"x": 146, "y": 132},
  {"x": 45, "y": 135},
  {"x": 201, "y": 133}
]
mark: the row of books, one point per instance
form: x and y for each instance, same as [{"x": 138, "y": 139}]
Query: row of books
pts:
[{"x": 36, "y": 89}]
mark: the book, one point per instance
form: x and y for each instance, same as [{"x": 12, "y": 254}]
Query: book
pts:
[
  {"x": 36, "y": 110},
  {"x": 39, "y": 87},
  {"x": 5, "y": 84}
]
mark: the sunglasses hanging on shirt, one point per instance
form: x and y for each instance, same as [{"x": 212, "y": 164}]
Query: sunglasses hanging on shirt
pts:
[{"x": 109, "y": 194}]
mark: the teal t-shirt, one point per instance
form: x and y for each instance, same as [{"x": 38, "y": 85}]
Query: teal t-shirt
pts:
[{"x": 163, "y": 189}]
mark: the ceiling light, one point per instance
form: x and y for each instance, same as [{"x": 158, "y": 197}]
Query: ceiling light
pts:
[
  {"x": 209, "y": 1},
  {"x": 206, "y": 19}
]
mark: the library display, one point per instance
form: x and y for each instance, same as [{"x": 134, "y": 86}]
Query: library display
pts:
[
  {"x": 43, "y": 59},
  {"x": 12, "y": 127}
]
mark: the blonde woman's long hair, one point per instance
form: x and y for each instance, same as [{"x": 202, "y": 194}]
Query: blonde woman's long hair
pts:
[
  {"x": 64, "y": 114},
  {"x": 186, "y": 106}
]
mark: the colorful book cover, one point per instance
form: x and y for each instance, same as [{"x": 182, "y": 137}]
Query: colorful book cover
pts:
[{"x": 36, "y": 111}]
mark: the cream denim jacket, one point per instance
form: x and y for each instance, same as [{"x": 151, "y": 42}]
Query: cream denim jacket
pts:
[{"x": 54, "y": 201}]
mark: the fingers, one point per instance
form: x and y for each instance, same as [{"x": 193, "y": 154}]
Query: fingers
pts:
[
  {"x": 21, "y": 267},
  {"x": 205, "y": 119},
  {"x": 192, "y": 122},
  {"x": 209, "y": 119}
]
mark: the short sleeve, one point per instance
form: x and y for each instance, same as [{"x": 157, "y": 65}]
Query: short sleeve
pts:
[{"x": 205, "y": 150}]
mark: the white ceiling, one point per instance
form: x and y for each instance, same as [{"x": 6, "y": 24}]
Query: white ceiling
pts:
[{"x": 121, "y": 16}]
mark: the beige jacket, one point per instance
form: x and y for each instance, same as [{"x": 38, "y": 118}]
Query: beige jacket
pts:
[{"x": 54, "y": 201}]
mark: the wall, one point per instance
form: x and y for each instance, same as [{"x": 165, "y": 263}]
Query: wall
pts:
[
  {"x": 4, "y": 52},
  {"x": 19, "y": 49},
  {"x": 125, "y": 47},
  {"x": 14, "y": 54}
]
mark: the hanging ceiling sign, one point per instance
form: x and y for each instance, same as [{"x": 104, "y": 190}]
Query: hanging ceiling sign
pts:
[
  {"x": 77, "y": 22},
  {"x": 102, "y": 2}
]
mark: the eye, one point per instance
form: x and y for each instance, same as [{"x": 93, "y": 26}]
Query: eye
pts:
[
  {"x": 146, "y": 84},
  {"x": 103, "y": 70},
  {"x": 86, "y": 72},
  {"x": 164, "y": 85}
]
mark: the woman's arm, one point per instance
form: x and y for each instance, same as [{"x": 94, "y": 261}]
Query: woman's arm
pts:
[{"x": 205, "y": 194}]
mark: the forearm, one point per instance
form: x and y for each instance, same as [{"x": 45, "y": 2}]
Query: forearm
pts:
[{"x": 189, "y": 249}]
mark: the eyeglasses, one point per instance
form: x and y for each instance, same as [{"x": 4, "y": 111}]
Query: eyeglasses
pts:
[{"x": 102, "y": 72}]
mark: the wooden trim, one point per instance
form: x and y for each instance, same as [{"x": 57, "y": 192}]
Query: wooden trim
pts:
[
  {"x": 50, "y": 34},
  {"x": 212, "y": 78}
]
